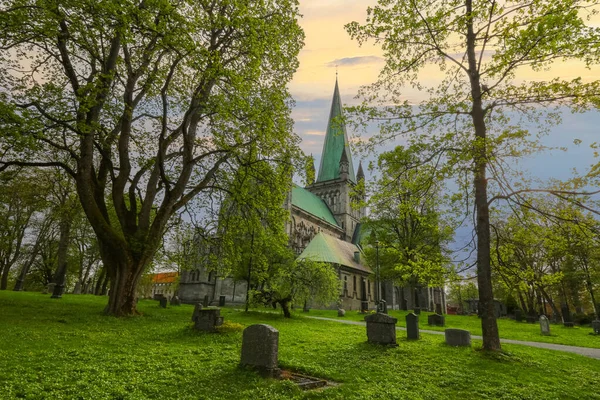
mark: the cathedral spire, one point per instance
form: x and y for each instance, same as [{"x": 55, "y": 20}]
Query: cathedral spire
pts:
[
  {"x": 360, "y": 174},
  {"x": 336, "y": 143}
]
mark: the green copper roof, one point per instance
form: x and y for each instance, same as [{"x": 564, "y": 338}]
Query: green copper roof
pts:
[
  {"x": 329, "y": 249},
  {"x": 335, "y": 141},
  {"x": 312, "y": 204}
]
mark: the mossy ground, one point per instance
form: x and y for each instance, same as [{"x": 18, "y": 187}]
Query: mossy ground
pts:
[{"x": 66, "y": 349}]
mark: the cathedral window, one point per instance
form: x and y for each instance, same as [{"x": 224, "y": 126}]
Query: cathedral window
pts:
[{"x": 355, "y": 283}]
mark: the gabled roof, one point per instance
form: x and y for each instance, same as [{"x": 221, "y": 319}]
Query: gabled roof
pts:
[
  {"x": 329, "y": 249},
  {"x": 165, "y": 277},
  {"x": 336, "y": 140},
  {"x": 312, "y": 204}
]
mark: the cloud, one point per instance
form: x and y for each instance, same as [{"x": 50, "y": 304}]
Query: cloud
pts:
[
  {"x": 314, "y": 133},
  {"x": 353, "y": 61}
]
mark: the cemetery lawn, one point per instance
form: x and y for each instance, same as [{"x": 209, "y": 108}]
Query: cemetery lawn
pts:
[
  {"x": 508, "y": 328},
  {"x": 66, "y": 349}
]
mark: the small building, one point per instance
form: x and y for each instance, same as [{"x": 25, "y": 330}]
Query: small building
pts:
[{"x": 164, "y": 284}]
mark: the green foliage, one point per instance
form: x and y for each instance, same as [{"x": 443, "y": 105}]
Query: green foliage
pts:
[
  {"x": 67, "y": 349},
  {"x": 405, "y": 218}
]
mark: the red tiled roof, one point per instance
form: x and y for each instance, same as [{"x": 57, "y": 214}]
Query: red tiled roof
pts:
[{"x": 165, "y": 277}]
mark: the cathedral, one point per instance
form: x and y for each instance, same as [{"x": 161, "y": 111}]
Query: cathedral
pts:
[{"x": 323, "y": 226}]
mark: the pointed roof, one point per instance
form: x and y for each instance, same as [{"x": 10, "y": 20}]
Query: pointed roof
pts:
[
  {"x": 312, "y": 204},
  {"x": 325, "y": 248},
  {"x": 360, "y": 174},
  {"x": 336, "y": 140}
]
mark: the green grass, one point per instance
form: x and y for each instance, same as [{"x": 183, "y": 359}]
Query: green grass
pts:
[
  {"x": 66, "y": 349},
  {"x": 509, "y": 329}
]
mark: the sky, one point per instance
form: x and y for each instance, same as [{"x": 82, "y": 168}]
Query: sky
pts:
[{"x": 327, "y": 45}]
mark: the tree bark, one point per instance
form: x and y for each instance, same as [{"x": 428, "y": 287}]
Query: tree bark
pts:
[
  {"x": 63, "y": 247},
  {"x": 489, "y": 325},
  {"x": 285, "y": 306}
]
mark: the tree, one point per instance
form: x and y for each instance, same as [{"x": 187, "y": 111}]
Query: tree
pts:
[
  {"x": 405, "y": 219},
  {"x": 477, "y": 116},
  {"x": 148, "y": 104}
]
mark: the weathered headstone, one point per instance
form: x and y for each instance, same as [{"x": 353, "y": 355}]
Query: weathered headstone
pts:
[
  {"x": 457, "y": 337},
  {"x": 175, "y": 301},
  {"x": 381, "y": 329},
  {"x": 207, "y": 319},
  {"x": 596, "y": 327},
  {"x": 518, "y": 315},
  {"x": 163, "y": 302},
  {"x": 260, "y": 346},
  {"x": 205, "y": 302},
  {"x": 417, "y": 311},
  {"x": 364, "y": 306},
  {"x": 436, "y": 320},
  {"x": 221, "y": 301},
  {"x": 567, "y": 318},
  {"x": 341, "y": 312},
  {"x": 197, "y": 309},
  {"x": 382, "y": 307},
  {"x": 544, "y": 325},
  {"x": 438, "y": 308},
  {"x": 412, "y": 326}
]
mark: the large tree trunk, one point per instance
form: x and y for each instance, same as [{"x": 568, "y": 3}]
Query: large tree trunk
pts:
[
  {"x": 4, "y": 277},
  {"x": 489, "y": 326},
  {"x": 100, "y": 279},
  {"x": 285, "y": 306},
  {"x": 63, "y": 247}
]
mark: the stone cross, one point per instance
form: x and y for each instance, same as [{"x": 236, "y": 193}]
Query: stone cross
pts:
[
  {"x": 412, "y": 326},
  {"x": 381, "y": 329},
  {"x": 457, "y": 337},
  {"x": 544, "y": 325},
  {"x": 260, "y": 346}
]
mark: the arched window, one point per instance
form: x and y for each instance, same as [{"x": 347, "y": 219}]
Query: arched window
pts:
[{"x": 355, "y": 283}]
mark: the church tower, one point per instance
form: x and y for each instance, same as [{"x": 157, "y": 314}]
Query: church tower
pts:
[{"x": 336, "y": 178}]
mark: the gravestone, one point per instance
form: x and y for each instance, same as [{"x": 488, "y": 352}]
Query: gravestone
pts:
[
  {"x": 417, "y": 311},
  {"x": 544, "y": 325},
  {"x": 341, "y": 312},
  {"x": 205, "y": 302},
  {"x": 197, "y": 309},
  {"x": 412, "y": 326},
  {"x": 163, "y": 302},
  {"x": 175, "y": 301},
  {"x": 221, "y": 301},
  {"x": 260, "y": 345},
  {"x": 207, "y": 319},
  {"x": 436, "y": 320},
  {"x": 596, "y": 327},
  {"x": 381, "y": 329},
  {"x": 438, "y": 308},
  {"x": 518, "y": 315},
  {"x": 364, "y": 306},
  {"x": 457, "y": 337},
  {"x": 567, "y": 318}
]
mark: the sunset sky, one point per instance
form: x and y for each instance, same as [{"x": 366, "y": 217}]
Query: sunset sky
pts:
[{"x": 327, "y": 44}]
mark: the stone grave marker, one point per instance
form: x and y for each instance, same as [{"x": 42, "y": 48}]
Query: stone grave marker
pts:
[
  {"x": 163, "y": 302},
  {"x": 567, "y": 318},
  {"x": 412, "y": 326},
  {"x": 436, "y": 320},
  {"x": 596, "y": 327},
  {"x": 197, "y": 309},
  {"x": 260, "y": 346},
  {"x": 381, "y": 329},
  {"x": 544, "y": 325},
  {"x": 207, "y": 319},
  {"x": 417, "y": 311},
  {"x": 175, "y": 301},
  {"x": 458, "y": 337},
  {"x": 518, "y": 315},
  {"x": 341, "y": 312}
]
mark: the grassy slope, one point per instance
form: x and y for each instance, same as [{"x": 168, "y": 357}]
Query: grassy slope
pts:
[
  {"x": 509, "y": 329},
  {"x": 67, "y": 349}
]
